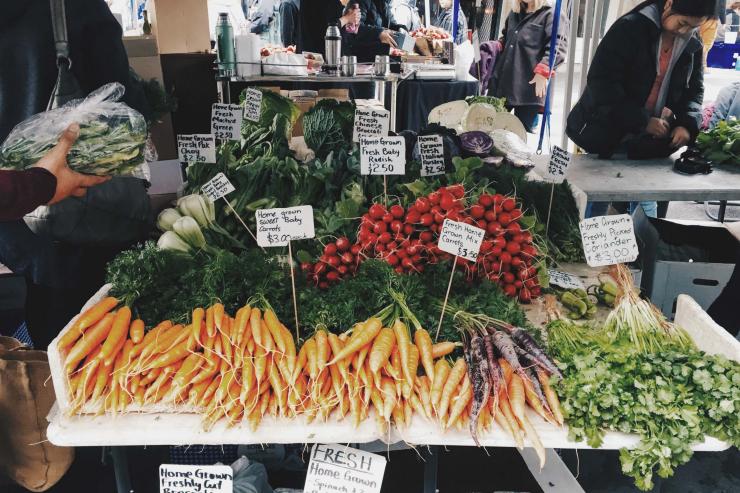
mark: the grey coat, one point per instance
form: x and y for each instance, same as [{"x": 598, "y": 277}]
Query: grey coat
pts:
[{"x": 526, "y": 42}]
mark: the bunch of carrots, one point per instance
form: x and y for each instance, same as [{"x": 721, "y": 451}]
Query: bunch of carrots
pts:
[{"x": 245, "y": 367}]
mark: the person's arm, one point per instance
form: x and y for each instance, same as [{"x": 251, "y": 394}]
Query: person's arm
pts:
[
  {"x": 23, "y": 191},
  {"x": 689, "y": 109},
  {"x": 47, "y": 182},
  {"x": 605, "y": 81}
]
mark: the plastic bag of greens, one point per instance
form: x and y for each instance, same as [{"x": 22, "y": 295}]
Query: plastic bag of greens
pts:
[{"x": 112, "y": 136}]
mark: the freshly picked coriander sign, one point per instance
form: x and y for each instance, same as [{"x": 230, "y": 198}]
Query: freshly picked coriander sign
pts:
[
  {"x": 608, "y": 240},
  {"x": 178, "y": 478},
  {"x": 340, "y": 468}
]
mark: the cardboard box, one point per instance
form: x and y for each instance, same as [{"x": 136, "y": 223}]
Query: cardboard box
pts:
[
  {"x": 304, "y": 104},
  {"x": 180, "y": 26},
  {"x": 695, "y": 259},
  {"x": 339, "y": 94}
]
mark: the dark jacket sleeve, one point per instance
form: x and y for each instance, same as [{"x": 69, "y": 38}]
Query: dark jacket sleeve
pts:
[
  {"x": 98, "y": 55},
  {"x": 605, "y": 77},
  {"x": 562, "y": 44},
  {"x": 23, "y": 191},
  {"x": 689, "y": 110}
]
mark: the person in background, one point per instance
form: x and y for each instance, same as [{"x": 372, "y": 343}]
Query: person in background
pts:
[
  {"x": 522, "y": 68},
  {"x": 260, "y": 14},
  {"x": 708, "y": 29},
  {"x": 290, "y": 25},
  {"x": 727, "y": 105},
  {"x": 443, "y": 18},
  {"x": 28, "y": 74},
  {"x": 378, "y": 13},
  {"x": 627, "y": 96},
  {"x": 732, "y": 17},
  {"x": 47, "y": 182}
]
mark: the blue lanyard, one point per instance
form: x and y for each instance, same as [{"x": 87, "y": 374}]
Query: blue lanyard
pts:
[{"x": 551, "y": 64}]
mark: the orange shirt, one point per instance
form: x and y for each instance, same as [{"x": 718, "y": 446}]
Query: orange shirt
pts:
[{"x": 663, "y": 61}]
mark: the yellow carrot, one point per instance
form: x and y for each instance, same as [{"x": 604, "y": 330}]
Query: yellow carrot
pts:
[
  {"x": 444, "y": 348},
  {"x": 403, "y": 343},
  {"x": 441, "y": 372},
  {"x": 453, "y": 380},
  {"x": 423, "y": 342},
  {"x": 363, "y": 335},
  {"x": 382, "y": 348},
  {"x": 86, "y": 320},
  {"x": 461, "y": 400}
]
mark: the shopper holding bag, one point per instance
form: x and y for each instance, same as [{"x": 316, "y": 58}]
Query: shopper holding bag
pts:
[{"x": 522, "y": 69}]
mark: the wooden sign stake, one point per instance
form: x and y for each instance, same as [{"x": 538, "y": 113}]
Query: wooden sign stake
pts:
[
  {"x": 385, "y": 189},
  {"x": 549, "y": 209},
  {"x": 292, "y": 282},
  {"x": 241, "y": 221},
  {"x": 447, "y": 295}
]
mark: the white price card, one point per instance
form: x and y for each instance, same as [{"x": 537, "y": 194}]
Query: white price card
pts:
[
  {"x": 276, "y": 227},
  {"x": 226, "y": 121},
  {"x": 217, "y": 187},
  {"x": 565, "y": 280},
  {"x": 432, "y": 152},
  {"x": 252, "y": 104},
  {"x": 461, "y": 239},
  {"x": 340, "y": 468},
  {"x": 196, "y": 148},
  {"x": 557, "y": 167},
  {"x": 371, "y": 122},
  {"x": 179, "y": 478},
  {"x": 608, "y": 240},
  {"x": 383, "y": 156}
]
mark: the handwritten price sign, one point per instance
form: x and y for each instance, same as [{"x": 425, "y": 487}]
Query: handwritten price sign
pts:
[
  {"x": 383, "y": 156},
  {"x": 217, "y": 187},
  {"x": 608, "y": 240},
  {"x": 276, "y": 227},
  {"x": 252, "y": 104},
  {"x": 371, "y": 122},
  {"x": 432, "y": 154},
  {"x": 226, "y": 121},
  {"x": 340, "y": 468},
  {"x": 196, "y": 148},
  {"x": 557, "y": 168},
  {"x": 461, "y": 239}
]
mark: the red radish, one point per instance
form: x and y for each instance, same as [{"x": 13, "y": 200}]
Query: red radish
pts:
[
  {"x": 516, "y": 262},
  {"x": 332, "y": 276},
  {"x": 392, "y": 246},
  {"x": 323, "y": 285},
  {"x": 343, "y": 269},
  {"x": 379, "y": 227},
  {"x": 494, "y": 229},
  {"x": 380, "y": 247},
  {"x": 434, "y": 198},
  {"x": 343, "y": 244},
  {"x": 447, "y": 202},
  {"x": 319, "y": 267},
  {"x": 504, "y": 218},
  {"x": 524, "y": 295},
  {"x": 397, "y": 211},
  {"x": 305, "y": 266},
  {"x": 486, "y": 200},
  {"x": 490, "y": 216},
  {"x": 384, "y": 238},
  {"x": 356, "y": 249},
  {"x": 486, "y": 246},
  {"x": 330, "y": 249},
  {"x": 530, "y": 283},
  {"x": 387, "y": 217},
  {"x": 477, "y": 211},
  {"x": 513, "y": 228},
  {"x": 496, "y": 251},
  {"x": 334, "y": 261},
  {"x": 392, "y": 259},
  {"x": 505, "y": 258},
  {"x": 347, "y": 258},
  {"x": 408, "y": 229},
  {"x": 422, "y": 205},
  {"x": 499, "y": 241},
  {"x": 426, "y": 236},
  {"x": 396, "y": 226},
  {"x": 407, "y": 263},
  {"x": 516, "y": 214},
  {"x": 401, "y": 253},
  {"x": 536, "y": 291},
  {"x": 509, "y": 290},
  {"x": 508, "y": 277},
  {"x": 413, "y": 217},
  {"x": 439, "y": 218},
  {"x": 427, "y": 220},
  {"x": 376, "y": 211},
  {"x": 457, "y": 191},
  {"x": 513, "y": 247},
  {"x": 508, "y": 204},
  {"x": 518, "y": 284}
]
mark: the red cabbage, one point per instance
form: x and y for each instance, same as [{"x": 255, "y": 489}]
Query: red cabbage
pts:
[{"x": 476, "y": 143}]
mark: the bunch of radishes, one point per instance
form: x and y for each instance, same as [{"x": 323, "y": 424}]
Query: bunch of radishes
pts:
[
  {"x": 339, "y": 259},
  {"x": 407, "y": 240}
]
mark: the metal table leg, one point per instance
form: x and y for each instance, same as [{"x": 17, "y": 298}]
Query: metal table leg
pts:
[
  {"x": 394, "y": 90},
  {"x": 555, "y": 477},
  {"x": 120, "y": 469},
  {"x": 431, "y": 459}
]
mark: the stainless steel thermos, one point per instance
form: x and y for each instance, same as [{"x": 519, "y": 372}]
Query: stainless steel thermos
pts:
[{"x": 332, "y": 47}]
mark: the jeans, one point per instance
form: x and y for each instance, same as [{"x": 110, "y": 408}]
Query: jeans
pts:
[
  {"x": 599, "y": 208},
  {"x": 529, "y": 116}
]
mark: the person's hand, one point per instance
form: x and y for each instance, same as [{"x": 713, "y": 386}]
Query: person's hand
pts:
[
  {"x": 540, "y": 85},
  {"x": 387, "y": 37},
  {"x": 55, "y": 161},
  {"x": 353, "y": 16},
  {"x": 680, "y": 137},
  {"x": 657, "y": 127}
]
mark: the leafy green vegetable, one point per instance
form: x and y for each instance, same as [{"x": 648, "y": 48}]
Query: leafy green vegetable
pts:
[
  {"x": 328, "y": 126},
  {"x": 498, "y": 103},
  {"x": 270, "y": 135},
  {"x": 671, "y": 399},
  {"x": 722, "y": 143}
]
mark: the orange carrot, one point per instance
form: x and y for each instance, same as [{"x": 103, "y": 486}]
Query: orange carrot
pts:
[
  {"x": 382, "y": 347},
  {"x": 273, "y": 325},
  {"x": 460, "y": 401},
  {"x": 423, "y": 342},
  {"x": 312, "y": 361},
  {"x": 86, "y": 320},
  {"x": 408, "y": 386},
  {"x": 117, "y": 333},
  {"x": 363, "y": 335},
  {"x": 88, "y": 342},
  {"x": 136, "y": 331},
  {"x": 403, "y": 343},
  {"x": 197, "y": 321},
  {"x": 517, "y": 401},
  {"x": 551, "y": 396},
  {"x": 441, "y": 372},
  {"x": 210, "y": 323},
  {"x": 241, "y": 325},
  {"x": 218, "y": 315},
  {"x": 443, "y": 349},
  {"x": 179, "y": 352}
]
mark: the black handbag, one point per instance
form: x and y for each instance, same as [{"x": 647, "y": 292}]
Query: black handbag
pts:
[{"x": 116, "y": 212}]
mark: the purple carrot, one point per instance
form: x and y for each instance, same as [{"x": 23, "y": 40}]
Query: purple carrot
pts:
[
  {"x": 494, "y": 369},
  {"x": 506, "y": 346},
  {"x": 478, "y": 373},
  {"x": 536, "y": 353}
]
